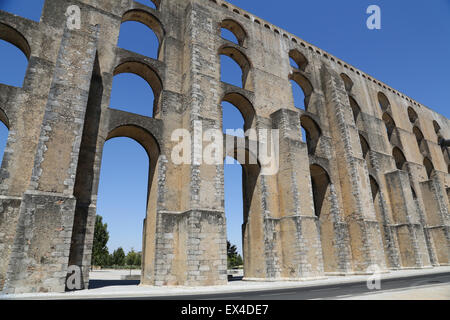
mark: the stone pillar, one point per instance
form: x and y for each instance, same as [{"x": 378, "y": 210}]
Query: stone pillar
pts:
[
  {"x": 437, "y": 217},
  {"x": 190, "y": 244},
  {"x": 409, "y": 230},
  {"x": 359, "y": 213},
  {"x": 40, "y": 253},
  {"x": 299, "y": 226}
]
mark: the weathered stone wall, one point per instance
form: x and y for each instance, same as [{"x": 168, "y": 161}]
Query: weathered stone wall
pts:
[{"x": 342, "y": 201}]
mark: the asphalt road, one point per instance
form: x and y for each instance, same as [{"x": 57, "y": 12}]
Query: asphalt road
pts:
[{"x": 316, "y": 292}]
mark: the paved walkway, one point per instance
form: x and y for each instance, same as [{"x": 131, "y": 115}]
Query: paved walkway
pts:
[
  {"x": 430, "y": 292},
  {"x": 135, "y": 290}
]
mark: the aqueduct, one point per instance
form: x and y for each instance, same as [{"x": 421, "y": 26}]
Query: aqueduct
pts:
[{"x": 368, "y": 185}]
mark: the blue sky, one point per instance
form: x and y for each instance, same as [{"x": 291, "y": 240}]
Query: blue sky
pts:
[{"x": 410, "y": 53}]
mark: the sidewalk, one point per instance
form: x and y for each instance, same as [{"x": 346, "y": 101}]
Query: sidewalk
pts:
[
  {"x": 430, "y": 292},
  {"x": 124, "y": 291}
]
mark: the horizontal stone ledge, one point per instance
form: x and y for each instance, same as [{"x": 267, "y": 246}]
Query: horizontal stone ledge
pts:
[
  {"x": 191, "y": 211},
  {"x": 292, "y": 217},
  {"x": 436, "y": 227},
  {"x": 6, "y": 197},
  {"x": 404, "y": 224}
]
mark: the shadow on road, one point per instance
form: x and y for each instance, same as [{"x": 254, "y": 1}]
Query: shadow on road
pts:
[{"x": 95, "y": 284}]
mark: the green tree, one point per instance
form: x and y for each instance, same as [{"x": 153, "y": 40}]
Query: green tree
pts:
[
  {"x": 118, "y": 257},
  {"x": 138, "y": 261},
  {"x": 234, "y": 259},
  {"x": 133, "y": 258},
  {"x": 100, "y": 252}
]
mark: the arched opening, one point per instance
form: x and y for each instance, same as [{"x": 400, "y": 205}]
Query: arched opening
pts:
[
  {"x": 383, "y": 102},
  {"x": 412, "y": 115},
  {"x": 233, "y": 31},
  {"x": 399, "y": 158},
  {"x": 376, "y": 197},
  {"x": 15, "y": 53},
  {"x": 243, "y": 200},
  {"x": 297, "y": 60},
  {"x": 437, "y": 130},
  {"x": 356, "y": 110},
  {"x": 234, "y": 206},
  {"x": 312, "y": 133},
  {"x": 229, "y": 72},
  {"x": 122, "y": 193},
  {"x": 301, "y": 90},
  {"x": 141, "y": 97},
  {"x": 320, "y": 186},
  {"x": 130, "y": 34},
  {"x": 365, "y": 150},
  {"x": 436, "y": 126},
  {"x": 322, "y": 200},
  {"x": 133, "y": 35},
  {"x": 131, "y": 93},
  {"x": 348, "y": 83},
  {"x": 154, "y": 4},
  {"x": 428, "y": 166},
  {"x": 374, "y": 188},
  {"x": 389, "y": 124},
  {"x": 238, "y": 112},
  {"x": 127, "y": 195},
  {"x": 3, "y": 136},
  {"x": 419, "y": 138}
]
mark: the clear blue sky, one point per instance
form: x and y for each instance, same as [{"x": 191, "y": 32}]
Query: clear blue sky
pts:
[{"x": 410, "y": 53}]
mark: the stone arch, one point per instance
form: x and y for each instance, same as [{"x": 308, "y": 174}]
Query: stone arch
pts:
[
  {"x": 146, "y": 18},
  {"x": 18, "y": 41},
  {"x": 356, "y": 110},
  {"x": 389, "y": 123},
  {"x": 313, "y": 133},
  {"x": 348, "y": 83},
  {"x": 374, "y": 187},
  {"x": 148, "y": 74},
  {"x": 244, "y": 63},
  {"x": 150, "y": 144},
  {"x": 429, "y": 167},
  {"x": 252, "y": 234},
  {"x": 14, "y": 37},
  {"x": 437, "y": 130},
  {"x": 4, "y": 118},
  {"x": 383, "y": 102},
  {"x": 304, "y": 84},
  {"x": 299, "y": 59},
  {"x": 420, "y": 139},
  {"x": 244, "y": 106},
  {"x": 399, "y": 158},
  {"x": 323, "y": 207},
  {"x": 436, "y": 126},
  {"x": 365, "y": 148},
  {"x": 236, "y": 29},
  {"x": 320, "y": 181},
  {"x": 412, "y": 115}
]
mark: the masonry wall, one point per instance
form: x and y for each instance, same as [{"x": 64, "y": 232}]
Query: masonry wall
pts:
[{"x": 335, "y": 206}]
